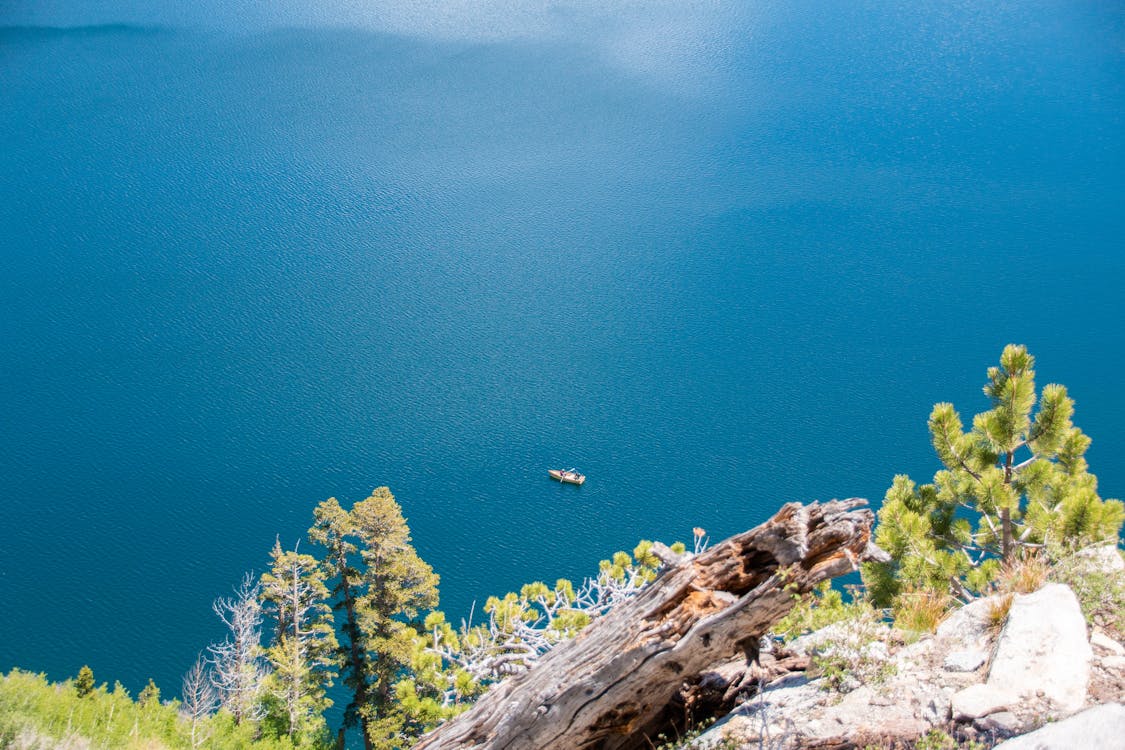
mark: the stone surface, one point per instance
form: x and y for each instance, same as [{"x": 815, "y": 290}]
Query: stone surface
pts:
[
  {"x": 1001, "y": 722},
  {"x": 1043, "y": 649},
  {"x": 1100, "y": 640},
  {"x": 1107, "y": 679},
  {"x": 1106, "y": 558},
  {"x": 969, "y": 625},
  {"x": 1042, "y": 676},
  {"x": 1093, "y": 729},
  {"x": 976, "y": 701},
  {"x": 914, "y": 698},
  {"x": 798, "y": 713},
  {"x": 965, "y": 661},
  {"x": 1113, "y": 663}
]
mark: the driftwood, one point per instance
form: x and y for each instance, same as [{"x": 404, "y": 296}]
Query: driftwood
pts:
[{"x": 606, "y": 689}]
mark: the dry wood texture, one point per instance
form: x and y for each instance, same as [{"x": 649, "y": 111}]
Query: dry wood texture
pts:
[{"x": 604, "y": 689}]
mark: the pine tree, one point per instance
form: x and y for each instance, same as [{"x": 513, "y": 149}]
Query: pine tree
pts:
[
  {"x": 303, "y": 650},
  {"x": 397, "y": 585},
  {"x": 150, "y": 695},
  {"x": 331, "y": 529},
  {"x": 452, "y": 668},
  {"x": 1022, "y": 478},
  {"x": 84, "y": 684}
]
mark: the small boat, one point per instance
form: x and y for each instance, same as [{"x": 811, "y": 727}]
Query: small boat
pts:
[{"x": 568, "y": 476}]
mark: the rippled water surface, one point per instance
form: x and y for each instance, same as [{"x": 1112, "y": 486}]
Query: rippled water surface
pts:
[{"x": 716, "y": 259}]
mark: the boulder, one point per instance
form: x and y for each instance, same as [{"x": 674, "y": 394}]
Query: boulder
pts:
[
  {"x": 1113, "y": 663},
  {"x": 1097, "y": 727},
  {"x": 969, "y": 626},
  {"x": 1043, "y": 649},
  {"x": 965, "y": 661},
  {"x": 1100, "y": 640},
  {"x": 795, "y": 713},
  {"x": 1106, "y": 558},
  {"x": 897, "y": 708},
  {"x": 976, "y": 701},
  {"x": 1003, "y": 723}
]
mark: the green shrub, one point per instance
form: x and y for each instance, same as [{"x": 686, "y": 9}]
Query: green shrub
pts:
[
  {"x": 936, "y": 739},
  {"x": 853, "y": 652},
  {"x": 1015, "y": 480},
  {"x": 35, "y": 713},
  {"x": 820, "y": 608},
  {"x": 919, "y": 612}
]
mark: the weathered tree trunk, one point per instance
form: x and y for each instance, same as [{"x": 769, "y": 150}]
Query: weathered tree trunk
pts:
[
  {"x": 604, "y": 689},
  {"x": 1006, "y": 513}
]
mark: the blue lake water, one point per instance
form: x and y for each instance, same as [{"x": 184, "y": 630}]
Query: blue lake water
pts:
[{"x": 717, "y": 258}]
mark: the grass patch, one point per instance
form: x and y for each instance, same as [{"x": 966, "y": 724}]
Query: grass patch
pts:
[
  {"x": 920, "y": 611},
  {"x": 821, "y": 607},
  {"x": 1101, "y": 593},
  {"x": 36, "y": 715},
  {"x": 1025, "y": 573},
  {"x": 998, "y": 613},
  {"x": 852, "y": 653}
]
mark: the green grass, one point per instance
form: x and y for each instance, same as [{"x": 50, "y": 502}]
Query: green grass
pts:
[
  {"x": 36, "y": 715},
  {"x": 1101, "y": 593}
]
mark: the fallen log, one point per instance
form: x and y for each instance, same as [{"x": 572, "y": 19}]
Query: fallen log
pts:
[{"x": 605, "y": 688}]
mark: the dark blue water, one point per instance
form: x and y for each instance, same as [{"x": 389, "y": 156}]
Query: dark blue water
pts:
[{"x": 717, "y": 259}]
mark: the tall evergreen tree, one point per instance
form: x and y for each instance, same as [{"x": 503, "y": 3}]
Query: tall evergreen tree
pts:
[
  {"x": 399, "y": 586},
  {"x": 1022, "y": 478},
  {"x": 381, "y": 585},
  {"x": 84, "y": 685},
  {"x": 150, "y": 695},
  {"x": 332, "y": 529},
  {"x": 303, "y": 651}
]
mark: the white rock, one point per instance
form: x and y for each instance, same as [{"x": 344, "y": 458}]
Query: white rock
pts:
[
  {"x": 1001, "y": 721},
  {"x": 936, "y": 710},
  {"x": 789, "y": 699},
  {"x": 1105, "y": 643},
  {"x": 1095, "y": 728},
  {"x": 1043, "y": 648},
  {"x": 1113, "y": 663},
  {"x": 976, "y": 701},
  {"x": 841, "y": 637},
  {"x": 1105, "y": 558},
  {"x": 965, "y": 661},
  {"x": 969, "y": 625}
]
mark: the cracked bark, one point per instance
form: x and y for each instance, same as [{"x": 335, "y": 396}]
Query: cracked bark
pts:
[{"x": 606, "y": 688}]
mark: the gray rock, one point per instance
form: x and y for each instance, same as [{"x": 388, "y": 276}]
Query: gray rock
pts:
[
  {"x": 1105, "y": 558},
  {"x": 1002, "y": 722},
  {"x": 936, "y": 710},
  {"x": 911, "y": 701},
  {"x": 787, "y": 704},
  {"x": 976, "y": 701},
  {"x": 1113, "y": 663},
  {"x": 841, "y": 637},
  {"x": 1097, "y": 727},
  {"x": 1102, "y": 641},
  {"x": 969, "y": 625},
  {"x": 965, "y": 661},
  {"x": 1043, "y": 649}
]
